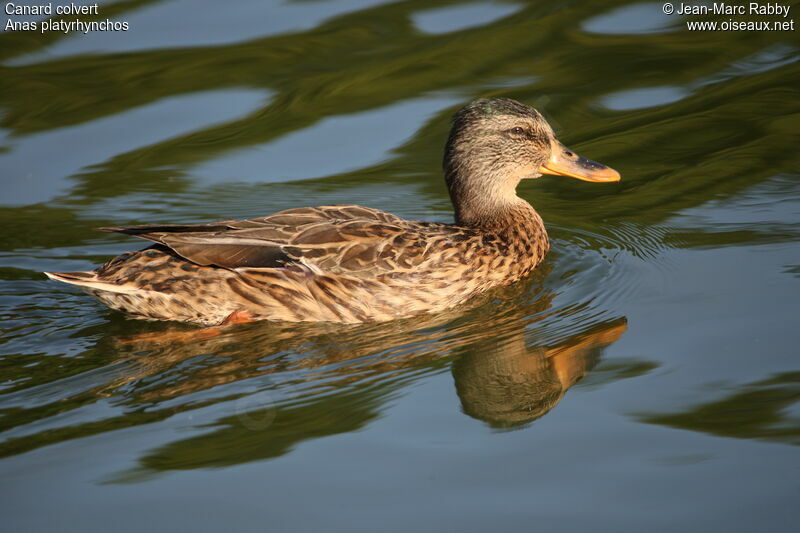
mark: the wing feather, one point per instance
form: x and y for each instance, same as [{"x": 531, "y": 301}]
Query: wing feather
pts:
[{"x": 338, "y": 239}]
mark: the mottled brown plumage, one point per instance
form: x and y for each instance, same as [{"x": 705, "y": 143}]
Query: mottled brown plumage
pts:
[{"x": 351, "y": 263}]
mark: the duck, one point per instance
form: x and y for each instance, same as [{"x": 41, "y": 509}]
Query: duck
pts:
[{"x": 354, "y": 264}]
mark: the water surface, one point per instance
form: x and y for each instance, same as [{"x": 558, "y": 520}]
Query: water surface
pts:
[{"x": 646, "y": 377}]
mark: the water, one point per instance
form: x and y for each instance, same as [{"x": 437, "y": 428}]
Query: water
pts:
[{"x": 645, "y": 377}]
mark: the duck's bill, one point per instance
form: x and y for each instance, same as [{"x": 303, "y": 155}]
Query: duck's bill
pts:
[{"x": 565, "y": 162}]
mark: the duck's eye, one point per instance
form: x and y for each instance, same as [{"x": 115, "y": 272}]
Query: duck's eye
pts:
[{"x": 518, "y": 131}]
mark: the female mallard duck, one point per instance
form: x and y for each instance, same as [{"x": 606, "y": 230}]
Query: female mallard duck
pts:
[{"x": 355, "y": 264}]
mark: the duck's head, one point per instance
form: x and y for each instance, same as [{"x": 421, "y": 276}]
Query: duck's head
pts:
[{"x": 493, "y": 145}]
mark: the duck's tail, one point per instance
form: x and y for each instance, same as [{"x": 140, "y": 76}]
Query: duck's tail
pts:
[{"x": 89, "y": 280}]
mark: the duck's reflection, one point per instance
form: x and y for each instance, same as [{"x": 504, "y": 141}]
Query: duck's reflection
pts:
[
  {"x": 314, "y": 381},
  {"x": 499, "y": 378},
  {"x": 255, "y": 391},
  {"x": 505, "y": 374},
  {"x": 506, "y": 383}
]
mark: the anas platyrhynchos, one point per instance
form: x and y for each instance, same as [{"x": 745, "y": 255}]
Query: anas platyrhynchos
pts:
[{"x": 349, "y": 263}]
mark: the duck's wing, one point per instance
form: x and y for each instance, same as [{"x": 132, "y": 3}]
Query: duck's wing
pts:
[{"x": 334, "y": 239}]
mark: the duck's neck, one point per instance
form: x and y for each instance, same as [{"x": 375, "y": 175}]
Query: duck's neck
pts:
[
  {"x": 516, "y": 232},
  {"x": 495, "y": 209},
  {"x": 517, "y": 224},
  {"x": 511, "y": 226}
]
